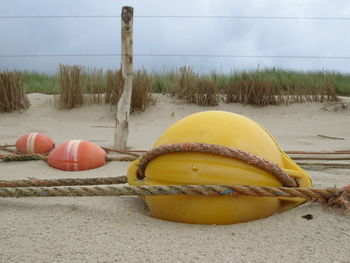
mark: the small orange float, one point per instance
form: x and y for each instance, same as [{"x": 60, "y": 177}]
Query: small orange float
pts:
[
  {"x": 77, "y": 155},
  {"x": 34, "y": 143}
]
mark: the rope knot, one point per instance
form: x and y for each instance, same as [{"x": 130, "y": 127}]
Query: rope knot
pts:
[{"x": 341, "y": 198}]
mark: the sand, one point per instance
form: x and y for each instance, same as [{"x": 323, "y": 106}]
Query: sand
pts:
[{"x": 120, "y": 229}]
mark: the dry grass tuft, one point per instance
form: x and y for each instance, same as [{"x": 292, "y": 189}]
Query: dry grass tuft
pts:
[
  {"x": 254, "y": 91},
  {"x": 258, "y": 89},
  {"x": 80, "y": 86},
  {"x": 194, "y": 88},
  {"x": 206, "y": 92},
  {"x": 71, "y": 91},
  {"x": 267, "y": 87},
  {"x": 94, "y": 86},
  {"x": 12, "y": 95},
  {"x": 185, "y": 83},
  {"x": 113, "y": 86},
  {"x": 140, "y": 97}
]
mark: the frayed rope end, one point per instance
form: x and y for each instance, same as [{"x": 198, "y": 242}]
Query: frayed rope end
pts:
[{"x": 339, "y": 199}]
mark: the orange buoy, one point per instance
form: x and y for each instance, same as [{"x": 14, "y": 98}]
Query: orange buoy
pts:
[
  {"x": 34, "y": 143},
  {"x": 77, "y": 155}
]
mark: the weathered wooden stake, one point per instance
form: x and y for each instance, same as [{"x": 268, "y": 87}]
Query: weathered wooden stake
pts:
[{"x": 123, "y": 106}]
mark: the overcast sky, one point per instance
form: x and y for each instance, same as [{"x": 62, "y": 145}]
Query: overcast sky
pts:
[{"x": 178, "y": 35}]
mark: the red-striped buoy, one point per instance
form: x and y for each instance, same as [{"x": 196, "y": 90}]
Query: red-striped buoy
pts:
[
  {"x": 77, "y": 155},
  {"x": 34, "y": 143}
]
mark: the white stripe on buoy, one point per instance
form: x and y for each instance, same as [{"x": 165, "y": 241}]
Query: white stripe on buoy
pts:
[
  {"x": 72, "y": 154},
  {"x": 31, "y": 142}
]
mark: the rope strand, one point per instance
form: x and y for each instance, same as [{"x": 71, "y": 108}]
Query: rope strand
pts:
[
  {"x": 34, "y": 182},
  {"x": 334, "y": 197}
]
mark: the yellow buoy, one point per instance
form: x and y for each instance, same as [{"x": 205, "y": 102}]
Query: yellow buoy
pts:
[{"x": 226, "y": 129}]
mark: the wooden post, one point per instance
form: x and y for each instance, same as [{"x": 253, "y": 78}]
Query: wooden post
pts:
[{"x": 123, "y": 106}]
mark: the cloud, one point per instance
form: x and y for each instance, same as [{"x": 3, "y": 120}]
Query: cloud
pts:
[{"x": 177, "y": 36}]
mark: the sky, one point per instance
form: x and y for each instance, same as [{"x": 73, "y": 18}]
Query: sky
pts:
[{"x": 205, "y": 36}]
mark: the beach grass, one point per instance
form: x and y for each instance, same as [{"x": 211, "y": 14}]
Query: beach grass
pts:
[
  {"x": 12, "y": 95},
  {"x": 258, "y": 87},
  {"x": 71, "y": 89},
  {"x": 34, "y": 82}
]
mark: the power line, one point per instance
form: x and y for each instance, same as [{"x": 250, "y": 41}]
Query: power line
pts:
[
  {"x": 175, "y": 55},
  {"x": 179, "y": 17}
]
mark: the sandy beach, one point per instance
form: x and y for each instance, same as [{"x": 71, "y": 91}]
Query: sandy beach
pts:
[{"x": 120, "y": 229}]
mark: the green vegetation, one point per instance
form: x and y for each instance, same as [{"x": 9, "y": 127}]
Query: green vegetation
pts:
[
  {"x": 34, "y": 82},
  {"x": 165, "y": 82},
  {"x": 259, "y": 87},
  {"x": 342, "y": 84},
  {"x": 76, "y": 86}
]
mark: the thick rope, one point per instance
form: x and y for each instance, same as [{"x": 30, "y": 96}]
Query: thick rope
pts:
[
  {"x": 135, "y": 152},
  {"x": 121, "y": 158},
  {"x": 335, "y": 197},
  {"x": 22, "y": 157},
  {"x": 35, "y": 182},
  {"x": 31, "y": 157},
  {"x": 249, "y": 158},
  {"x": 144, "y": 151}
]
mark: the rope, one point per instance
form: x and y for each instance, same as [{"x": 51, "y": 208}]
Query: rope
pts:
[
  {"x": 22, "y": 157},
  {"x": 132, "y": 153},
  {"x": 7, "y": 145},
  {"x": 320, "y": 158},
  {"x": 34, "y": 182},
  {"x": 252, "y": 159},
  {"x": 328, "y": 165},
  {"x": 334, "y": 197},
  {"x": 31, "y": 157},
  {"x": 121, "y": 158},
  {"x": 321, "y": 152},
  {"x": 144, "y": 151},
  {"x": 8, "y": 150}
]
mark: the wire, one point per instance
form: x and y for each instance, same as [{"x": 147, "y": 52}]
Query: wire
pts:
[
  {"x": 175, "y": 55},
  {"x": 46, "y": 17},
  {"x": 179, "y": 16},
  {"x": 252, "y": 17}
]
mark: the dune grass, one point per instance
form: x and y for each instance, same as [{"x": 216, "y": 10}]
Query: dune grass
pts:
[
  {"x": 34, "y": 82},
  {"x": 12, "y": 95},
  {"x": 79, "y": 86},
  {"x": 258, "y": 87},
  {"x": 342, "y": 83},
  {"x": 71, "y": 89}
]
